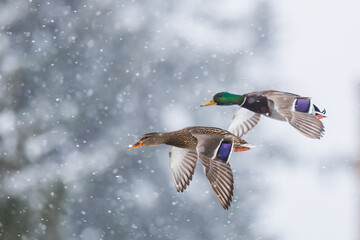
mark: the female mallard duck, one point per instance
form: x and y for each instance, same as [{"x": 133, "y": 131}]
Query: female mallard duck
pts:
[
  {"x": 299, "y": 111},
  {"x": 212, "y": 145}
]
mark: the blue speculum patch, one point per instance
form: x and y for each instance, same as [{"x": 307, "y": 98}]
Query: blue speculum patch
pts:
[
  {"x": 302, "y": 104},
  {"x": 224, "y": 151}
]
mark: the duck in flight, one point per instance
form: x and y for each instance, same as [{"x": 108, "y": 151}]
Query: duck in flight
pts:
[
  {"x": 213, "y": 146},
  {"x": 298, "y": 111}
]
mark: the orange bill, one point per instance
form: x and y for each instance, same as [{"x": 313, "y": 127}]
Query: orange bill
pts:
[
  {"x": 138, "y": 144},
  {"x": 319, "y": 116}
]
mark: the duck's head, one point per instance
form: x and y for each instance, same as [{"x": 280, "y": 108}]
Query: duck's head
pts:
[
  {"x": 225, "y": 98},
  {"x": 149, "y": 139}
]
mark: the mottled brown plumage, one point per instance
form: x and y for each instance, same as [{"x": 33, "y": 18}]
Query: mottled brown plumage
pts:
[{"x": 212, "y": 146}]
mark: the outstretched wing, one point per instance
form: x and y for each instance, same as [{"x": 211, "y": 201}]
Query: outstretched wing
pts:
[
  {"x": 243, "y": 121},
  {"x": 299, "y": 113},
  {"x": 307, "y": 124},
  {"x": 182, "y": 166},
  {"x": 214, "y": 152},
  {"x": 221, "y": 179}
]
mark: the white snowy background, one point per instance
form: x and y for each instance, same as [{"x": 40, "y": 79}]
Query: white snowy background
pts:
[
  {"x": 81, "y": 80},
  {"x": 318, "y": 51}
]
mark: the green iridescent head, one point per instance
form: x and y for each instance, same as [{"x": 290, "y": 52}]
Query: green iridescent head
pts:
[{"x": 225, "y": 98}]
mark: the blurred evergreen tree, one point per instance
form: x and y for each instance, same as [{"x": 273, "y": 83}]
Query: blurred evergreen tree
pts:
[{"x": 78, "y": 79}]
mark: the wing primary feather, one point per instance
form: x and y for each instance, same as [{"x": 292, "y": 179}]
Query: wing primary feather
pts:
[
  {"x": 243, "y": 121},
  {"x": 182, "y": 166}
]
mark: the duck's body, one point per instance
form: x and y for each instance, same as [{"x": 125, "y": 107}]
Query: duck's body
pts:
[
  {"x": 299, "y": 111},
  {"x": 213, "y": 146}
]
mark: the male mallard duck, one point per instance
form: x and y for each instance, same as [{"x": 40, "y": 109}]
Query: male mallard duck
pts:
[
  {"x": 299, "y": 111},
  {"x": 212, "y": 145}
]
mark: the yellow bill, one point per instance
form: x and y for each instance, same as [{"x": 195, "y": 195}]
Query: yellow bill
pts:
[{"x": 211, "y": 102}]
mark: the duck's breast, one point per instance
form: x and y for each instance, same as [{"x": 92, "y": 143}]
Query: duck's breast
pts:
[{"x": 257, "y": 103}]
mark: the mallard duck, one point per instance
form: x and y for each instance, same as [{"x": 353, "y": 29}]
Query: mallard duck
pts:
[
  {"x": 213, "y": 146},
  {"x": 299, "y": 111}
]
